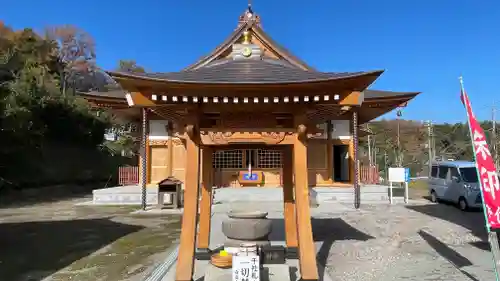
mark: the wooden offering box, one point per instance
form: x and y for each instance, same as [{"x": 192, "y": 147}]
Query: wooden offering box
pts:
[{"x": 253, "y": 178}]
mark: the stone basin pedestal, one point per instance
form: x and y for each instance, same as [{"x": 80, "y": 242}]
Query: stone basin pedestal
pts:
[{"x": 242, "y": 227}]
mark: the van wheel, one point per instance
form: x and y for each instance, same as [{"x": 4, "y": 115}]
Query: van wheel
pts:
[
  {"x": 434, "y": 196},
  {"x": 462, "y": 204}
]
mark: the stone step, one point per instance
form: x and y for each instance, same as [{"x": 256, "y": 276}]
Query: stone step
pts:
[
  {"x": 132, "y": 195},
  {"x": 125, "y": 195}
]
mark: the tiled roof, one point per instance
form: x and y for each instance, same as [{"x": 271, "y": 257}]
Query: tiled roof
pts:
[
  {"x": 266, "y": 71},
  {"x": 375, "y": 94}
]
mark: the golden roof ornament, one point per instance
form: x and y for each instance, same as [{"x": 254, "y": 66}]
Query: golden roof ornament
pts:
[{"x": 246, "y": 37}]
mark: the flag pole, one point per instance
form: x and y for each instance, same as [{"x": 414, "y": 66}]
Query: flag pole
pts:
[{"x": 492, "y": 236}]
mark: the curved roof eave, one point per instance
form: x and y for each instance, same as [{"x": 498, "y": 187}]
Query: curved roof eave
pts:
[
  {"x": 379, "y": 94},
  {"x": 333, "y": 77},
  {"x": 117, "y": 95}
]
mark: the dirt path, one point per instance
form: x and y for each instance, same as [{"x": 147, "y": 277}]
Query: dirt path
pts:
[{"x": 60, "y": 241}]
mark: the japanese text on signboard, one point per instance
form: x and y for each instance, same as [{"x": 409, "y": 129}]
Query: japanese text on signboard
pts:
[{"x": 246, "y": 268}]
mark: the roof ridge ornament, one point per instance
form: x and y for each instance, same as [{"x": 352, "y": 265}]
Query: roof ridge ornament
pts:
[
  {"x": 249, "y": 9},
  {"x": 249, "y": 15}
]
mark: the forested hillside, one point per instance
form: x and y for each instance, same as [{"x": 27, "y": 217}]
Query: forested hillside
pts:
[
  {"x": 48, "y": 134},
  {"x": 446, "y": 141}
]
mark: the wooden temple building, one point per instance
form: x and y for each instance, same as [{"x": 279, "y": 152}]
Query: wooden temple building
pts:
[{"x": 250, "y": 113}]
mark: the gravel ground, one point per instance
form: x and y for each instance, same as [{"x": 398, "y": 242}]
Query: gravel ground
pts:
[
  {"x": 413, "y": 242},
  {"x": 418, "y": 241},
  {"x": 58, "y": 241}
]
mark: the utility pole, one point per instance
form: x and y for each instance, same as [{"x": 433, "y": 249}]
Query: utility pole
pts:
[
  {"x": 399, "y": 158},
  {"x": 370, "y": 161},
  {"x": 386, "y": 171},
  {"x": 494, "y": 135},
  {"x": 428, "y": 124}
]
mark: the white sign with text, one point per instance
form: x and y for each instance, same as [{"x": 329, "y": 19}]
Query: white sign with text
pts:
[
  {"x": 246, "y": 268},
  {"x": 397, "y": 175}
]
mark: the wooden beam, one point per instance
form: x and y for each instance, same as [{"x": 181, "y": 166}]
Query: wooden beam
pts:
[
  {"x": 329, "y": 151},
  {"x": 307, "y": 252},
  {"x": 246, "y": 136},
  {"x": 138, "y": 99},
  {"x": 185, "y": 260},
  {"x": 170, "y": 151},
  {"x": 289, "y": 200},
  {"x": 353, "y": 98},
  {"x": 206, "y": 199}
]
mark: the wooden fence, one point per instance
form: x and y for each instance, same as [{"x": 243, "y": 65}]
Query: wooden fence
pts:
[
  {"x": 128, "y": 175},
  {"x": 369, "y": 175}
]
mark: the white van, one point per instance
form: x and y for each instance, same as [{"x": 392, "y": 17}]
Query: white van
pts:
[{"x": 455, "y": 182}]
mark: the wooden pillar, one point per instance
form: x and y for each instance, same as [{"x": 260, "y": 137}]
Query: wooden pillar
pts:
[
  {"x": 148, "y": 159},
  {"x": 289, "y": 204},
  {"x": 206, "y": 201},
  {"x": 185, "y": 260},
  {"x": 329, "y": 151},
  {"x": 307, "y": 252},
  {"x": 170, "y": 151},
  {"x": 351, "y": 161},
  {"x": 145, "y": 149},
  {"x": 357, "y": 190},
  {"x": 144, "y": 160}
]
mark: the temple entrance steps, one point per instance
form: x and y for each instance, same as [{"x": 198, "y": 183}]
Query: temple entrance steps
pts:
[
  {"x": 125, "y": 195},
  {"x": 369, "y": 194},
  {"x": 131, "y": 195}
]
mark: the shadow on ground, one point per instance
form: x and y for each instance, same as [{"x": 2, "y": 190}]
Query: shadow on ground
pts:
[
  {"x": 42, "y": 248},
  {"x": 473, "y": 220},
  {"x": 325, "y": 230},
  {"x": 31, "y": 196},
  {"x": 452, "y": 256}
]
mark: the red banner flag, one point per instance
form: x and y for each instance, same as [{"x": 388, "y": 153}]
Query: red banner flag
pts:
[{"x": 488, "y": 179}]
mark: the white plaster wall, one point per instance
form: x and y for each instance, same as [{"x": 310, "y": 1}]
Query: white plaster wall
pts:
[
  {"x": 158, "y": 130},
  {"x": 341, "y": 129}
]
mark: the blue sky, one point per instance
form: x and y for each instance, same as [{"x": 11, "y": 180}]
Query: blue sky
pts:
[{"x": 423, "y": 45}]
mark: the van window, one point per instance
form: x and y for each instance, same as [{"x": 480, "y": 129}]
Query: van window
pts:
[
  {"x": 443, "y": 172},
  {"x": 469, "y": 174},
  {"x": 434, "y": 171},
  {"x": 454, "y": 173}
]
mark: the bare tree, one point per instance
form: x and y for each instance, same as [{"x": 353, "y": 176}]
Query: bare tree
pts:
[{"x": 76, "y": 52}]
